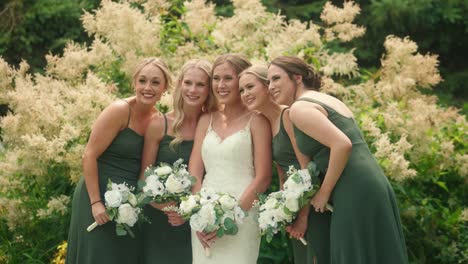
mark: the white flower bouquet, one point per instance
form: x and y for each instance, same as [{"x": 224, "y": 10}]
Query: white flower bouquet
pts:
[
  {"x": 122, "y": 206},
  {"x": 279, "y": 209},
  {"x": 211, "y": 211},
  {"x": 167, "y": 184}
]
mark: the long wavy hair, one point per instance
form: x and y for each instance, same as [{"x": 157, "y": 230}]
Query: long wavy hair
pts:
[{"x": 178, "y": 103}]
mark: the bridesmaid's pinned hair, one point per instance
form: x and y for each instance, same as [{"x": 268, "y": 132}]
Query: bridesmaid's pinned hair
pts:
[
  {"x": 238, "y": 61},
  {"x": 293, "y": 65},
  {"x": 260, "y": 71},
  {"x": 158, "y": 63}
]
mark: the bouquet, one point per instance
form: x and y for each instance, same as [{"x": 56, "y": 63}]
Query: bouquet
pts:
[
  {"x": 279, "y": 209},
  {"x": 211, "y": 211},
  {"x": 123, "y": 207},
  {"x": 167, "y": 184}
]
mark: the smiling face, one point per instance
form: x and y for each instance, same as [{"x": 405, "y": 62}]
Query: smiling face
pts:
[
  {"x": 254, "y": 92},
  {"x": 225, "y": 84},
  {"x": 195, "y": 87},
  {"x": 150, "y": 83},
  {"x": 282, "y": 87}
]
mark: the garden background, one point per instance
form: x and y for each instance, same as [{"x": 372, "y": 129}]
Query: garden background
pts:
[{"x": 399, "y": 64}]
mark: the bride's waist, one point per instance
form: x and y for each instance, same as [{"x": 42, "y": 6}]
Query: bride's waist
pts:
[{"x": 234, "y": 184}]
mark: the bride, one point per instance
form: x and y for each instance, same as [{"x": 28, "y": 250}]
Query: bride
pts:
[{"x": 233, "y": 146}]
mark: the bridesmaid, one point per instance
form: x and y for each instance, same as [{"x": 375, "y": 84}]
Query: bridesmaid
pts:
[
  {"x": 168, "y": 138},
  {"x": 255, "y": 94},
  {"x": 365, "y": 224},
  {"x": 113, "y": 152}
]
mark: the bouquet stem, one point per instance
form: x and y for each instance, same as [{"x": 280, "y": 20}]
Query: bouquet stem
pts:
[
  {"x": 207, "y": 252},
  {"x": 303, "y": 241},
  {"x": 92, "y": 226}
]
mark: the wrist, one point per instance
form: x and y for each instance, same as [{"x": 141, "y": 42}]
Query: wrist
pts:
[{"x": 96, "y": 202}]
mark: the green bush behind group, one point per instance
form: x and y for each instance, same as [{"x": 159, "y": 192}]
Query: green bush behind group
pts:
[{"x": 431, "y": 204}]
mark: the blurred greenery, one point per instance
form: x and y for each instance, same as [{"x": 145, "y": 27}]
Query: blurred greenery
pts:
[{"x": 430, "y": 204}]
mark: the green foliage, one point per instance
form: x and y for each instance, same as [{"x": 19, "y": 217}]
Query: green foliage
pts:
[
  {"x": 29, "y": 29},
  {"x": 35, "y": 240}
]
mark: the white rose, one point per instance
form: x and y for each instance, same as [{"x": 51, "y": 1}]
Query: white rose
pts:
[
  {"x": 267, "y": 219},
  {"x": 208, "y": 214},
  {"x": 292, "y": 202},
  {"x": 164, "y": 170},
  {"x": 197, "y": 223},
  {"x": 132, "y": 199},
  {"x": 127, "y": 215},
  {"x": 187, "y": 206},
  {"x": 292, "y": 185},
  {"x": 113, "y": 198},
  {"x": 270, "y": 203},
  {"x": 173, "y": 185},
  {"x": 227, "y": 202},
  {"x": 280, "y": 215}
]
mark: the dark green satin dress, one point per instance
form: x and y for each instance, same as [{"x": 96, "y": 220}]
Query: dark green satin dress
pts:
[
  {"x": 120, "y": 162},
  {"x": 162, "y": 242},
  {"x": 318, "y": 228},
  {"x": 365, "y": 224}
]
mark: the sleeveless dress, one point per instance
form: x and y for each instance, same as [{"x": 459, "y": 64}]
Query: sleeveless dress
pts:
[
  {"x": 229, "y": 168},
  {"x": 365, "y": 223},
  {"x": 120, "y": 162},
  {"x": 162, "y": 242},
  {"x": 318, "y": 225}
]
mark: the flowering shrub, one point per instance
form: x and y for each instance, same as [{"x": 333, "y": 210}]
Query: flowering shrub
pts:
[{"x": 420, "y": 145}]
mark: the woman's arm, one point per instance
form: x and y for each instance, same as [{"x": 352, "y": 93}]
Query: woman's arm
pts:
[
  {"x": 196, "y": 166},
  {"x": 261, "y": 139},
  {"x": 310, "y": 120},
  {"x": 281, "y": 176},
  {"x": 153, "y": 136},
  {"x": 106, "y": 127},
  {"x": 288, "y": 126}
]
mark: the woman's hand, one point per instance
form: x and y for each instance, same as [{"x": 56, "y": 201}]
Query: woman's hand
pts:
[
  {"x": 320, "y": 200},
  {"x": 161, "y": 206},
  {"x": 99, "y": 213},
  {"x": 298, "y": 228},
  {"x": 207, "y": 239},
  {"x": 174, "y": 218}
]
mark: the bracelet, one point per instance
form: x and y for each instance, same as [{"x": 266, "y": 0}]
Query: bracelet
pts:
[{"x": 93, "y": 203}]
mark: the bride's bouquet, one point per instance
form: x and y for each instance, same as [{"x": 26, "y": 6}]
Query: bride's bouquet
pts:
[
  {"x": 122, "y": 206},
  {"x": 211, "y": 211},
  {"x": 167, "y": 184},
  {"x": 279, "y": 209}
]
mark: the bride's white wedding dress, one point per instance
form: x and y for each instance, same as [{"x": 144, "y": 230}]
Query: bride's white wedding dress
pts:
[{"x": 229, "y": 168}]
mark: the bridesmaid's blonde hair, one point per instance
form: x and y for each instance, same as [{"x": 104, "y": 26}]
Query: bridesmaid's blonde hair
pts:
[
  {"x": 178, "y": 103},
  {"x": 156, "y": 62},
  {"x": 238, "y": 61},
  {"x": 260, "y": 71}
]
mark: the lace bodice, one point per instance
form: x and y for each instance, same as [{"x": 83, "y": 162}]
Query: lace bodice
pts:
[{"x": 229, "y": 161}]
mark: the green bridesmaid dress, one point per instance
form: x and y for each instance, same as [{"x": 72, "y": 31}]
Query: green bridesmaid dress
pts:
[
  {"x": 120, "y": 163},
  {"x": 365, "y": 224},
  {"x": 318, "y": 226},
  {"x": 162, "y": 242}
]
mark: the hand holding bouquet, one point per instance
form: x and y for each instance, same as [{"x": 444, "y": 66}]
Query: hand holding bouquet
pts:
[
  {"x": 167, "y": 184},
  {"x": 211, "y": 211},
  {"x": 279, "y": 209},
  {"x": 123, "y": 207}
]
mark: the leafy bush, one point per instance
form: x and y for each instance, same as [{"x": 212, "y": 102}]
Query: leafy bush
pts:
[{"x": 420, "y": 145}]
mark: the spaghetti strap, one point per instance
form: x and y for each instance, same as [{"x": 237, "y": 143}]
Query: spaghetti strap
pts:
[
  {"x": 165, "y": 124},
  {"x": 129, "y": 112},
  {"x": 250, "y": 120},
  {"x": 211, "y": 120},
  {"x": 281, "y": 120}
]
